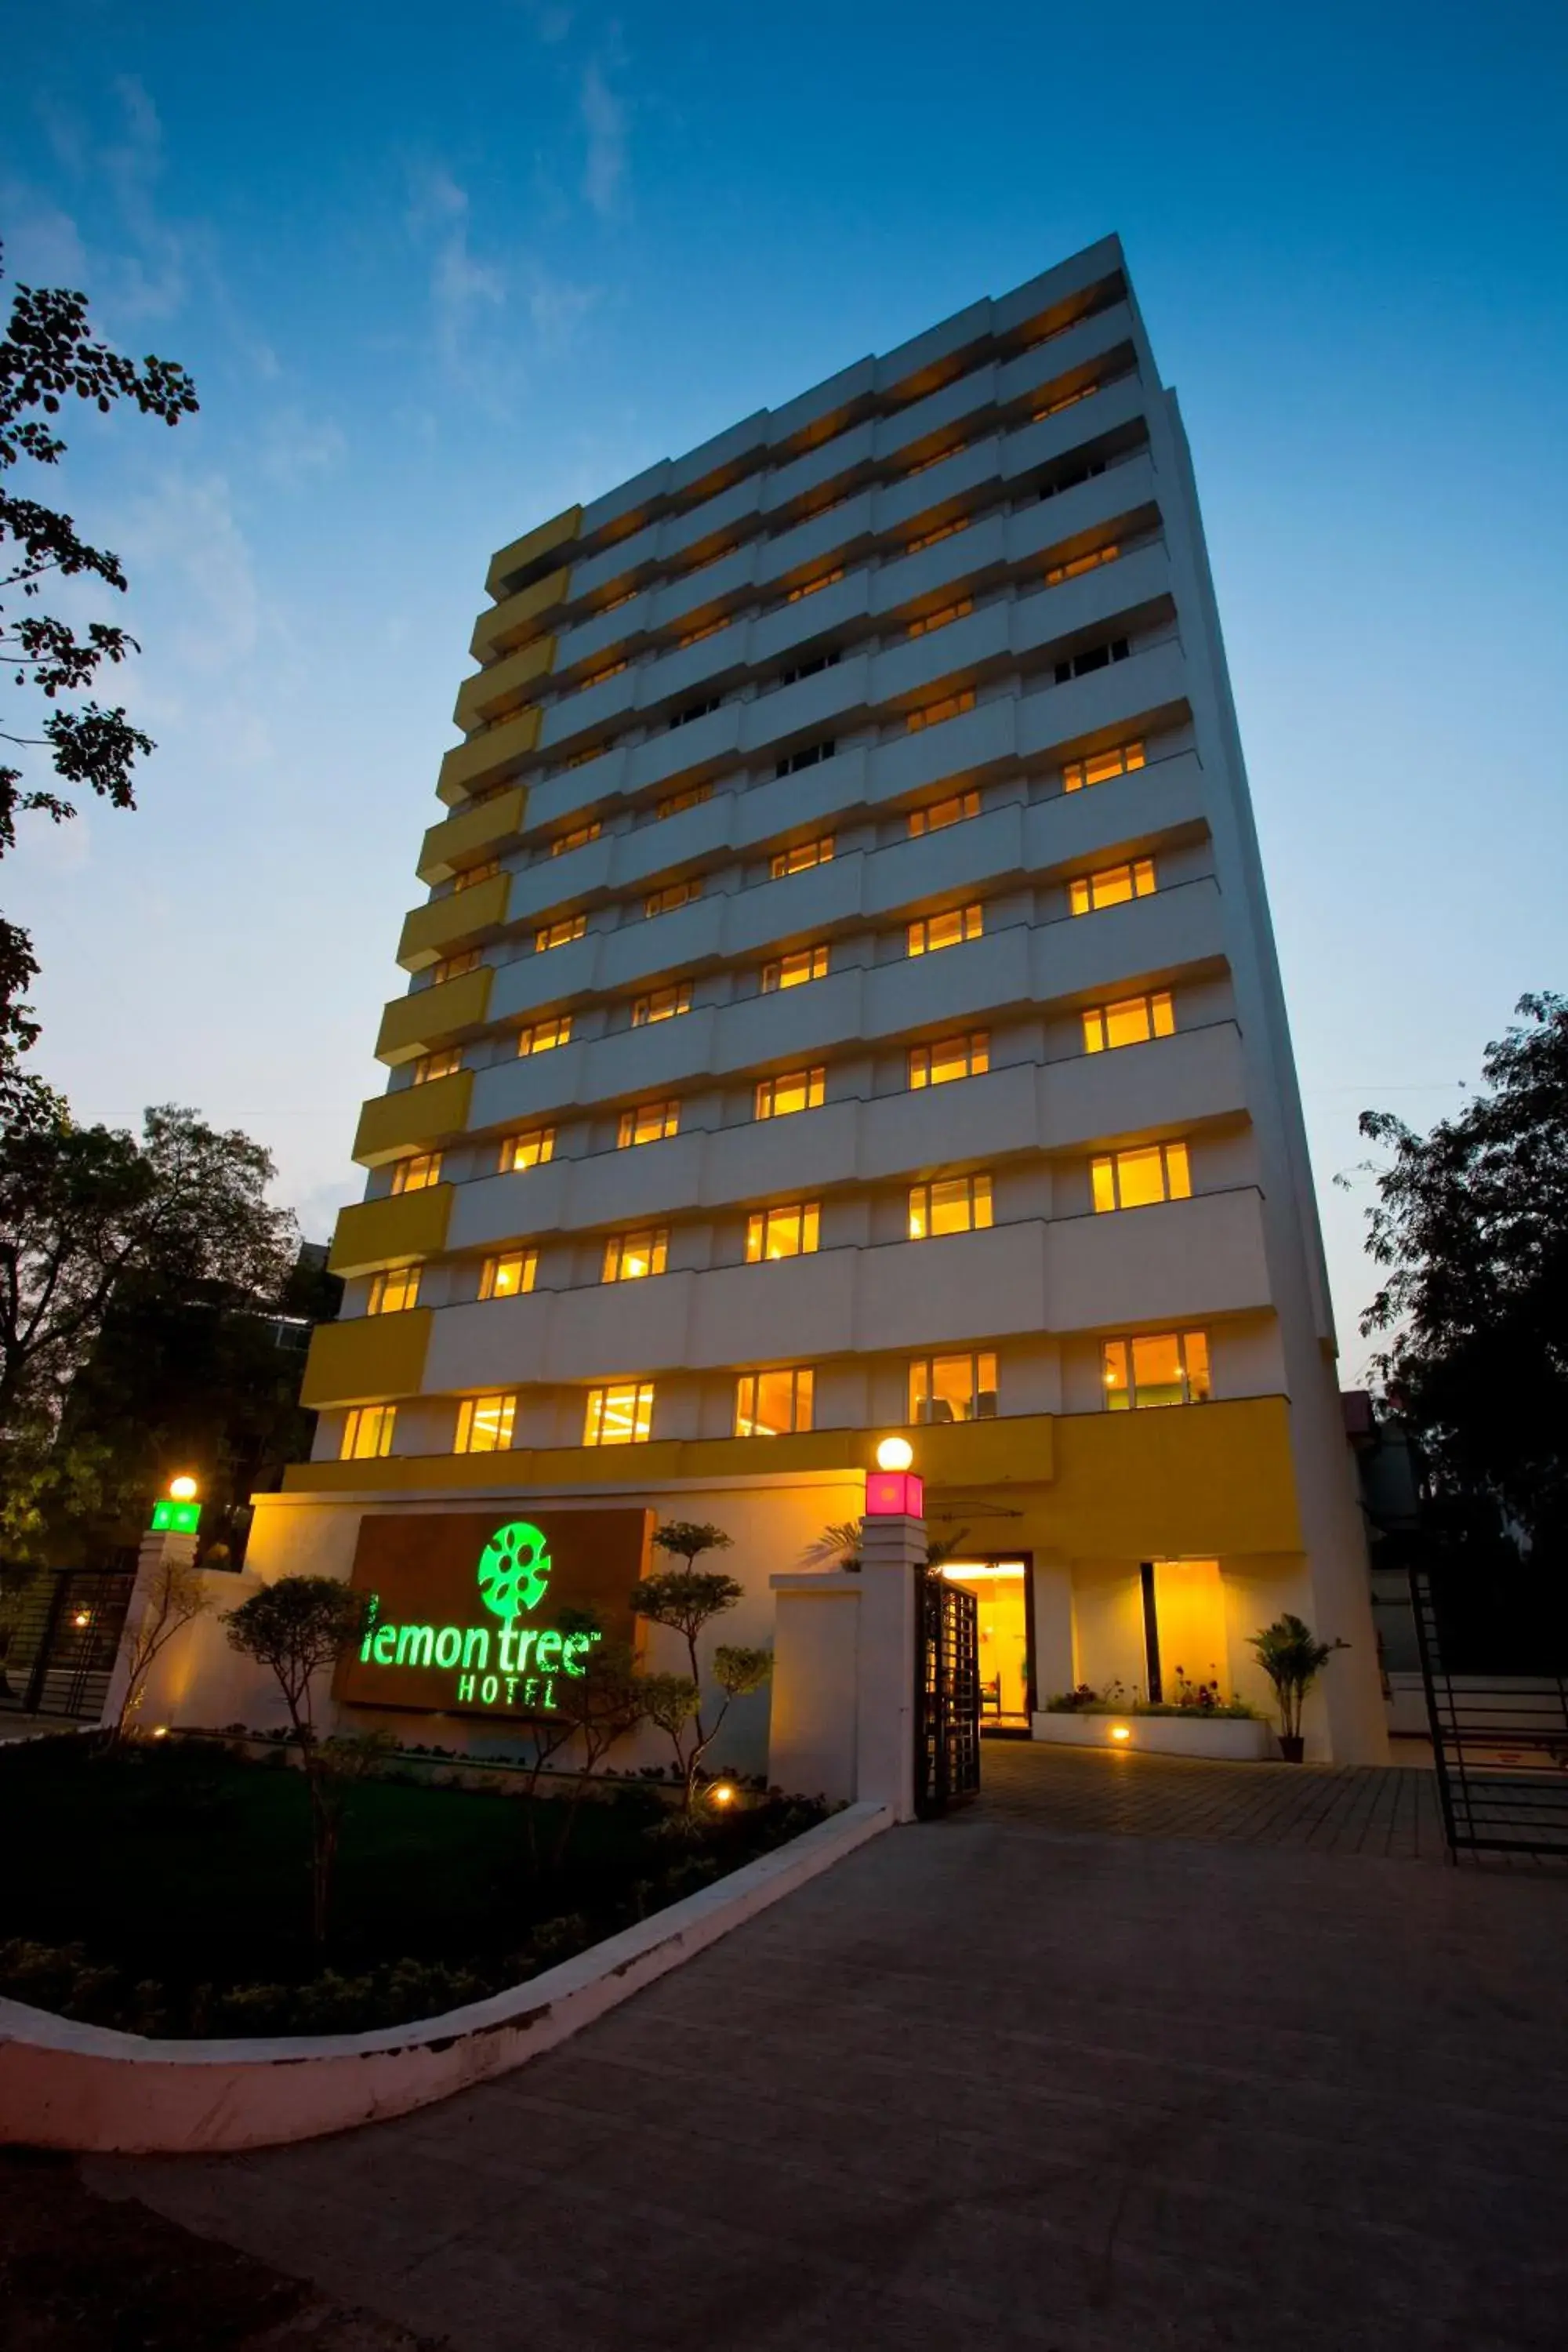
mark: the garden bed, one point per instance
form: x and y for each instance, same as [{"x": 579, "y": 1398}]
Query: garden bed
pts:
[{"x": 1191, "y": 1732}]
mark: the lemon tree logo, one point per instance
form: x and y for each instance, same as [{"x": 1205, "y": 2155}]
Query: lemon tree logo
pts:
[{"x": 514, "y": 1568}]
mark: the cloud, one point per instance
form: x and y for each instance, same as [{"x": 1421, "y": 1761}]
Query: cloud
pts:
[
  {"x": 297, "y": 449},
  {"x": 190, "y": 561},
  {"x": 556, "y": 306},
  {"x": 461, "y": 286},
  {"x": 603, "y": 118},
  {"x": 43, "y": 245}
]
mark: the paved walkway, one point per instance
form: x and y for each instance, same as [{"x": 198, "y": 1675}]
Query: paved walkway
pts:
[{"x": 990, "y": 2083}]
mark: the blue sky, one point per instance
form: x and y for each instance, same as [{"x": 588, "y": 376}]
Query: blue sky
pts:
[{"x": 439, "y": 274}]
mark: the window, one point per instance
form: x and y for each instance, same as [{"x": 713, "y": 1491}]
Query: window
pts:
[
  {"x": 795, "y": 760},
  {"x": 930, "y": 932},
  {"x": 1169, "y": 1367},
  {"x": 937, "y": 458},
  {"x": 789, "y": 1231},
  {"x": 936, "y": 815},
  {"x": 661, "y": 1004},
  {"x": 791, "y": 1090},
  {"x": 621, "y": 1415},
  {"x": 953, "y": 1388},
  {"x": 1065, "y": 400},
  {"x": 560, "y": 934},
  {"x": 531, "y": 1149},
  {"x": 413, "y": 1175},
  {"x": 950, "y": 1204},
  {"x": 693, "y": 710},
  {"x": 649, "y": 1123},
  {"x": 437, "y": 1066},
  {"x": 631, "y": 1258},
  {"x": 484, "y": 1424},
  {"x": 508, "y": 1277},
  {"x": 673, "y": 895},
  {"x": 393, "y": 1293},
  {"x": 810, "y": 587},
  {"x": 543, "y": 1037},
  {"x": 1133, "y": 1179},
  {"x": 1099, "y": 769},
  {"x": 941, "y": 619},
  {"x": 471, "y": 874},
  {"x": 711, "y": 629},
  {"x": 692, "y": 796},
  {"x": 578, "y": 838},
  {"x": 1091, "y": 658},
  {"x": 601, "y": 676},
  {"x": 454, "y": 967},
  {"x": 805, "y": 854},
  {"x": 774, "y": 1404},
  {"x": 590, "y": 751},
  {"x": 967, "y": 1056},
  {"x": 367, "y": 1433},
  {"x": 1068, "y": 476},
  {"x": 791, "y": 970},
  {"x": 1079, "y": 564},
  {"x": 1131, "y": 1022},
  {"x": 929, "y": 538},
  {"x": 1111, "y": 887},
  {"x": 792, "y": 677},
  {"x": 613, "y": 604},
  {"x": 932, "y": 714},
  {"x": 700, "y": 560}
]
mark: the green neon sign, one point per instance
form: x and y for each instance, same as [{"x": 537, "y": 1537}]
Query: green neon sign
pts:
[
  {"x": 515, "y": 1665},
  {"x": 170, "y": 1518}
]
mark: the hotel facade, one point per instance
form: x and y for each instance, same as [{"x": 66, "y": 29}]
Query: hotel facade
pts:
[{"x": 843, "y": 1002}]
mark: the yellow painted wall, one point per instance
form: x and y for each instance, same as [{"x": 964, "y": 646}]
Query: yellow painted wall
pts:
[
  {"x": 430, "y": 932},
  {"x": 517, "y": 618},
  {"x": 413, "y": 1119},
  {"x": 528, "y": 550},
  {"x": 399, "y": 1230},
  {"x": 504, "y": 683},
  {"x": 458, "y": 840},
  {"x": 488, "y": 758},
  {"x": 365, "y": 1362},
  {"x": 435, "y": 1016}
]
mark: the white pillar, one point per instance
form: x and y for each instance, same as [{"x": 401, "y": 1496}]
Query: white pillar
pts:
[
  {"x": 157, "y": 1545},
  {"x": 892, "y": 1561}
]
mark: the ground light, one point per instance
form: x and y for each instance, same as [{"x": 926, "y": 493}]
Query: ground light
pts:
[
  {"x": 1120, "y": 1731},
  {"x": 723, "y": 1792},
  {"x": 82, "y": 1617}
]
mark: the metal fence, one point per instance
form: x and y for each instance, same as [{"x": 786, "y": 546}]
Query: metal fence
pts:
[
  {"x": 947, "y": 1696},
  {"x": 1500, "y": 1742}
]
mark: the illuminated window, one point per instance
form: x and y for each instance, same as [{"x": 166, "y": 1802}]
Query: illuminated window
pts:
[
  {"x": 531, "y": 1149},
  {"x": 578, "y": 838},
  {"x": 789, "y": 1231},
  {"x": 367, "y": 1433},
  {"x": 560, "y": 934},
  {"x": 543, "y": 1037},
  {"x": 472, "y": 875},
  {"x": 937, "y": 458},
  {"x": 661, "y": 1004},
  {"x": 949, "y": 1204},
  {"x": 805, "y": 854},
  {"x": 1064, "y": 399},
  {"x": 621, "y": 1415},
  {"x": 966, "y": 1057},
  {"x": 1132, "y": 1022},
  {"x": 391, "y": 1294},
  {"x": 937, "y": 814},
  {"x": 613, "y": 604},
  {"x": 601, "y": 676},
  {"x": 484, "y": 1424},
  {"x": 791, "y": 1090},
  {"x": 930, "y": 933},
  {"x": 699, "y": 562},
  {"x": 632, "y": 1257},
  {"x": 1133, "y": 1179},
  {"x": 1111, "y": 887},
  {"x": 1093, "y": 657},
  {"x": 793, "y": 761},
  {"x": 454, "y": 967},
  {"x": 437, "y": 1066},
  {"x": 413, "y": 1175},
  {"x": 711, "y": 629},
  {"x": 953, "y": 1388},
  {"x": 774, "y": 1404},
  {"x": 951, "y": 705},
  {"x": 508, "y": 1277},
  {"x": 692, "y": 796},
  {"x": 941, "y": 618},
  {"x": 810, "y": 587},
  {"x": 1118, "y": 762},
  {"x": 590, "y": 751},
  {"x": 649, "y": 1123},
  {"x": 929, "y": 538},
  {"x": 673, "y": 895},
  {"x": 1169, "y": 1367},
  {"x": 1081, "y": 563},
  {"x": 792, "y": 969}
]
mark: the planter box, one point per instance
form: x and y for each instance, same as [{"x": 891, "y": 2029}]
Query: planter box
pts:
[{"x": 1236, "y": 1739}]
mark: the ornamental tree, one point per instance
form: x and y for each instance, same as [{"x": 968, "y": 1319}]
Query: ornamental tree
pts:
[{"x": 686, "y": 1600}]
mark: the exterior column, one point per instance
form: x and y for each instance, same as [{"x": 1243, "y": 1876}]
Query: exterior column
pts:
[
  {"x": 892, "y": 1562},
  {"x": 158, "y": 1545}
]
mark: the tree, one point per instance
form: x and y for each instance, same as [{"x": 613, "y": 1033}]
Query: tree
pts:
[
  {"x": 690, "y": 1538},
  {"x": 1292, "y": 1658},
  {"x": 48, "y": 357},
  {"x": 297, "y": 1626},
  {"x": 604, "y": 1703},
  {"x": 1471, "y": 1226},
  {"x": 686, "y": 1600},
  {"x": 176, "y": 1593}
]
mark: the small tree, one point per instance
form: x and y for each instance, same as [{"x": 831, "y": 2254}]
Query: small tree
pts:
[
  {"x": 176, "y": 1593},
  {"x": 296, "y": 1626},
  {"x": 604, "y": 1706},
  {"x": 690, "y": 1538},
  {"x": 686, "y": 1600},
  {"x": 1292, "y": 1657}
]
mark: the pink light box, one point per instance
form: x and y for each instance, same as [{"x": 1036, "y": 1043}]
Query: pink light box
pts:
[{"x": 894, "y": 1494}]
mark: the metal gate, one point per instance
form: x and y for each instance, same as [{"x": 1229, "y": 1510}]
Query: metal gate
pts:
[
  {"x": 1500, "y": 1745},
  {"x": 63, "y": 1651},
  {"x": 947, "y": 1696}
]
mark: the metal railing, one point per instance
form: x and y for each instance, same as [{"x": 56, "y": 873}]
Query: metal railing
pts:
[{"x": 1499, "y": 1743}]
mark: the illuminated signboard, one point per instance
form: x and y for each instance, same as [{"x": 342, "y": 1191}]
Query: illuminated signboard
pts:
[
  {"x": 466, "y": 1608},
  {"x": 170, "y": 1518}
]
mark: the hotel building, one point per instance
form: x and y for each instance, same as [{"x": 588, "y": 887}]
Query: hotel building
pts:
[{"x": 843, "y": 1002}]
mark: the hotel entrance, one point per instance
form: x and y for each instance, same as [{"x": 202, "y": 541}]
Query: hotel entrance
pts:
[{"x": 1000, "y": 1590}]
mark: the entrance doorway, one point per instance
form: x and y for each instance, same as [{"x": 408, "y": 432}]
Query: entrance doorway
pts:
[{"x": 1001, "y": 1592}]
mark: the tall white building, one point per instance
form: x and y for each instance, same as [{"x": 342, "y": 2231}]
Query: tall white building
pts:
[{"x": 844, "y": 1002}]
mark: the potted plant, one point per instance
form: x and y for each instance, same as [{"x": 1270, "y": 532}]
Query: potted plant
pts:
[{"x": 1292, "y": 1657}]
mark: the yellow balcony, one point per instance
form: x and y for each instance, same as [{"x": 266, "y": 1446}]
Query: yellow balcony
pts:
[
  {"x": 368, "y": 1360},
  {"x": 461, "y": 840},
  {"x": 460, "y": 920},
  {"x": 414, "y": 1025},
  {"x": 494, "y": 690},
  {"x": 545, "y": 536},
  {"x": 517, "y": 618},
  {"x": 486, "y": 759},
  {"x": 416, "y": 1119},
  {"x": 399, "y": 1230}
]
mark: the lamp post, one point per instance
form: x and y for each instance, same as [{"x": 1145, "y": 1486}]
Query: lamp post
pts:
[{"x": 892, "y": 1563}]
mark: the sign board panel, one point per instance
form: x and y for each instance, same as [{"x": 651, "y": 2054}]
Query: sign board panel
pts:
[{"x": 478, "y": 1612}]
